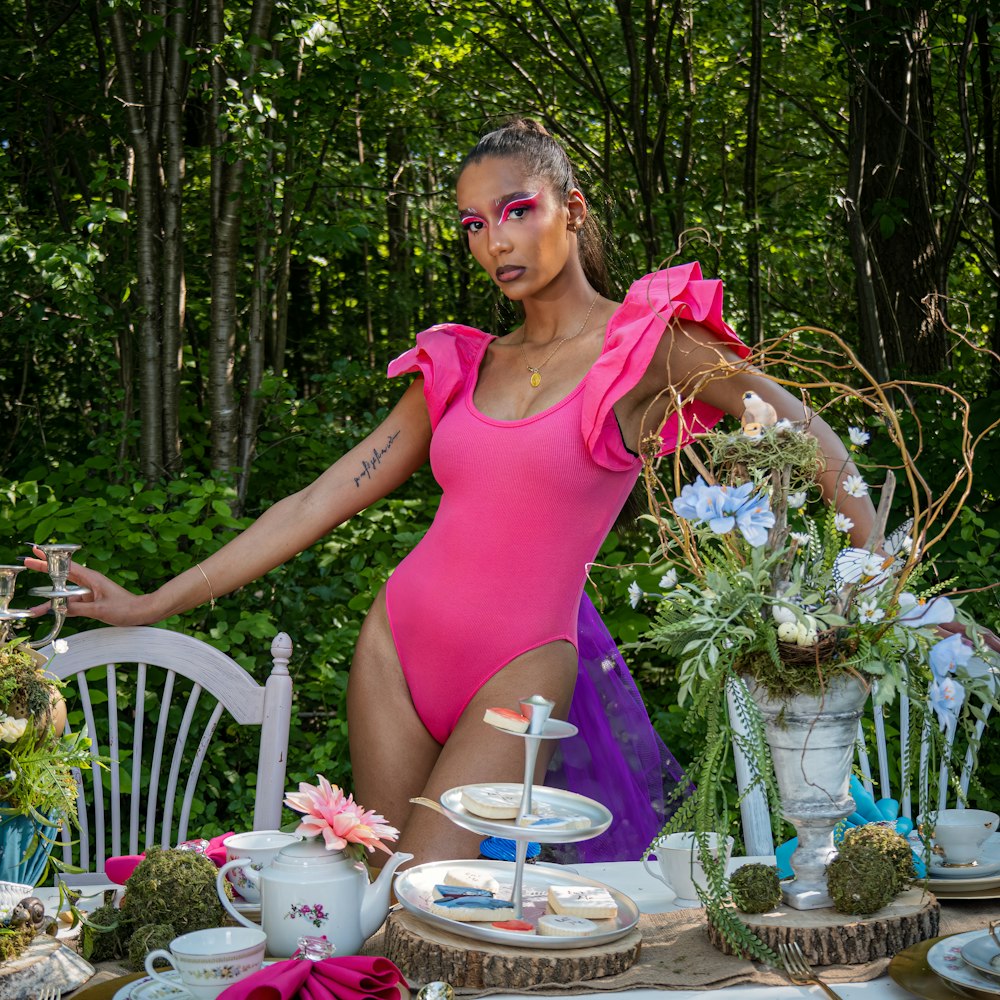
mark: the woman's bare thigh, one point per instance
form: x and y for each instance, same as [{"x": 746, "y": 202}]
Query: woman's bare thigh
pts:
[
  {"x": 476, "y": 752},
  {"x": 392, "y": 754}
]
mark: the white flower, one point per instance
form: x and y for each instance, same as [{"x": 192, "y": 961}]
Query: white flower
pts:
[
  {"x": 11, "y": 729},
  {"x": 872, "y": 566},
  {"x": 859, "y": 438},
  {"x": 796, "y": 500},
  {"x": 635, "y": 594},
  {"x": 800, "y": 538},
  {"x": 61, "y": 646},
  {"x": 870, "y": 612},
  {"x": 843, "y": 523},
  {"x": 669, "y": 579},
  {"x": 855, "y": 486}
]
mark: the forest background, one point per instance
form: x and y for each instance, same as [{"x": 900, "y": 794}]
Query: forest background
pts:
[{"x": 221, "y": 220}]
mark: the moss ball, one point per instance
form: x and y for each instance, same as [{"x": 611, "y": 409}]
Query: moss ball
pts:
[
  {"x": 172, "y": 887},
  {"x": 895, "y": 847},
  {"x": 99, "y": 935},
  {"x": 148, "y": 938},
  {"x": 861, "y": 880},
  {"x": 755, "y": 888}
]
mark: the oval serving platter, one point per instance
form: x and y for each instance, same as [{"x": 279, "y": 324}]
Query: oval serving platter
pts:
[
  {"x": 546, "y": 802},
  {"x": 414, "y": 887}
]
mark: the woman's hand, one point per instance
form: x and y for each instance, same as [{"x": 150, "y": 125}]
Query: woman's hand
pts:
[{"x": 107, "y": 601}]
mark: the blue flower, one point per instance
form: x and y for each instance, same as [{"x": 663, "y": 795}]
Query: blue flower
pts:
[
  {"x": 686, "y": 505},
  {"x": 755, "y": 519},
  {"x": 945, "y": 698},
  {"x": 948, "y": 654},
  {"x": 936, "y": 611}
]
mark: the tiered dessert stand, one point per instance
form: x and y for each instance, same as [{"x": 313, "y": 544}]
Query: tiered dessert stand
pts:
[{"x": 545, "y": 815}]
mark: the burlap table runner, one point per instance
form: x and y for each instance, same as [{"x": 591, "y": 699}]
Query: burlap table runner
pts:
[{"x": 676, "y": 955}]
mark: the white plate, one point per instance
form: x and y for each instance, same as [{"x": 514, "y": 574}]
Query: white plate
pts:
[
  {"x": 982, "y": 869},
  {"x": 414, "y": 887},
  {"x": 545, "y": 801},
  {"x": 555, "y": 729},
  {"x": 148, "y": 988},
  {"x": 948, "y": 885},
  {"x": 945, "y": 958},
  {"x": 979, "y": 952}
]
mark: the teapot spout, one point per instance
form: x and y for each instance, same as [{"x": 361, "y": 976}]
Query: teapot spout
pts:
[{"x": 375, "y": 906}]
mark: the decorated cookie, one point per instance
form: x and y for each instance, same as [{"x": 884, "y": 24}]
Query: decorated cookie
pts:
[
  {"x": 582, "y": 901},
  {"x": 470, "y": 878},
  {"x": 562, "y": 925},
  {"x": 490, "y": 802},
  {"x": 514, "y": 925},
  {"x": 505, "y": 718},
  {"x": 454, "y": 891},
  {"x": 473, "y": 908}
]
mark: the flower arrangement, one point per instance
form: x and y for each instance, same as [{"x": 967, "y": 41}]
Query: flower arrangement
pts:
[
  {"x": 762, "y": 582},
  {"x": 38, "y": 788},
  {"x": 342, "y": 822}
]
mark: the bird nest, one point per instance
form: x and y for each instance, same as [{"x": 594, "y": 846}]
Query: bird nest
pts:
[{"x": 829, "y": 647}]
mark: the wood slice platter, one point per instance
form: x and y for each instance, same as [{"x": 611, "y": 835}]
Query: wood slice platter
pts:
[
  {"x": 427, "y": 954},
  {"x": 45, "y": 962},
  {"x": 828, "y": 937}
]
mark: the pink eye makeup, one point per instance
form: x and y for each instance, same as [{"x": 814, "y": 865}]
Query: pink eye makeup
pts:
[{"x": 519, "y": 202}]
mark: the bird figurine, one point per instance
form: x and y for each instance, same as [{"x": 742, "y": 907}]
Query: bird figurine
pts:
[{"x": 757, "y": 411}]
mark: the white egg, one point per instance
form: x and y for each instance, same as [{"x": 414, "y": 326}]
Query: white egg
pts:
[{"x": 788, "y": 631}]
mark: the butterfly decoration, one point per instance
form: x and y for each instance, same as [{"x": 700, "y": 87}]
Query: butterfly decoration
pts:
[{"x": 871, "y": 569}]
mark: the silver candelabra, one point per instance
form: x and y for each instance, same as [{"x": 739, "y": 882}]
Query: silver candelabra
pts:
[{"x": 58, "y": 558}]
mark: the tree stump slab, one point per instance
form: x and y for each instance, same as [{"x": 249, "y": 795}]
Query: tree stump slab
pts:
[
  {"x": 45, "y": 962},
  {"x": 828, "y": 937},
  {"x": 426, "y": 953}
]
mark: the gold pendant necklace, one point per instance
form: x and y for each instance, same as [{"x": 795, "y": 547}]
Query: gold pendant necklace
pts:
[{"x": 536, "y": 374}]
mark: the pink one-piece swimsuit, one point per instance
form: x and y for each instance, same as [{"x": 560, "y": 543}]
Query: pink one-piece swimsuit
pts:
[{"x": 525, "y": 503}]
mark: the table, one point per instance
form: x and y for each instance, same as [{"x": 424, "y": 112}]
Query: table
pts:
[{"x": 651, "y": 896}]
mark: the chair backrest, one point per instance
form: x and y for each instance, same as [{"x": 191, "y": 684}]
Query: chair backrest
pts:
[
  {"x": 890, "y": 757},
  {"x": 152, "y": 700}
]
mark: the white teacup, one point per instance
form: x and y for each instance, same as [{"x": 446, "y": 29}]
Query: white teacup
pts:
[
  {"x": 211, "y": 960},
  {"x": 246, "y": 855},
  {"x": 681, "y": 870},
  {"x": 959, "y": 834}
]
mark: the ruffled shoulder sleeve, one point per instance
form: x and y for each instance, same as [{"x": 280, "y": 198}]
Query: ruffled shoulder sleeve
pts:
[
  {"x": 677, "y": 293},
  {"x": 444, "y": 355}
]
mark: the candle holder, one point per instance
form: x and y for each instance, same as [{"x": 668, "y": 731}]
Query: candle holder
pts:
[{"x": 58, "y": 557}]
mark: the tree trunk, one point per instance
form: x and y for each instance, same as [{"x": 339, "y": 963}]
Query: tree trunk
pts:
[
  {"x": 755, "y": 330},
  {"x": 146, "y": 183},
  {"x": 893, "y": 147}
]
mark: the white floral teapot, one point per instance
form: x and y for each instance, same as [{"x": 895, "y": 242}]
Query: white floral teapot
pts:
[{"x": 310, "y": 891}]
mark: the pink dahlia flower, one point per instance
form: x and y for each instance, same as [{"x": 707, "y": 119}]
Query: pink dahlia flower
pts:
[{"x": 338, "y": 817}]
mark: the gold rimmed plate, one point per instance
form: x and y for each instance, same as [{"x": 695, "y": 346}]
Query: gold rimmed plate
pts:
[{"x": 911, "y": 970}]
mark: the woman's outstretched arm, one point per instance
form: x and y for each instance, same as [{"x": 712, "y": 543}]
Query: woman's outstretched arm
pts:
[
  {"x": 690, "y": 352},
  {"x": 368, "y": 472}
]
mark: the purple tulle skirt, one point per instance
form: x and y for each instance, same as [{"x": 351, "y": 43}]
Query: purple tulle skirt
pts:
[{"x": 617, "y": 757}]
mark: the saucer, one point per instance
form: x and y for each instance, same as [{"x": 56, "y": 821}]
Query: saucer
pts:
[
  {"x": 152, "y": 989},
  {"x": 945, "y": 958},
  {"x": 982, "y": 868},
  {"x": 979, "y": 952}
]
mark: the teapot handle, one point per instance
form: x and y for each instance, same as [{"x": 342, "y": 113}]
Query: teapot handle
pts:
[{"x": 220, "y": 888}]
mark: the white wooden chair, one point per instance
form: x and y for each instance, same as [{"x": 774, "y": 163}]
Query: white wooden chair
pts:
[
  {"x": 755, "y": 813},
  {"x": 168, "y": 690}
]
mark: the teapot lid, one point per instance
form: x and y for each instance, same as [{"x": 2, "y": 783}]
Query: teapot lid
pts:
[{"x": 309, "y": 851}]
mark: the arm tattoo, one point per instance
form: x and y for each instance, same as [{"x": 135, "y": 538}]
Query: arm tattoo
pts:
[{"x": 369, "y": 465}]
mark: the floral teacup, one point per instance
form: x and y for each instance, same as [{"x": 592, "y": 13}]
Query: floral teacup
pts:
[
  {"x": 247, "y": 854},
  {"x": 211, "y": 960}
]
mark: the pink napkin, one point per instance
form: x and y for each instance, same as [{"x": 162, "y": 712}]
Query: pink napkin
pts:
[
  {"x": 119, "y": 868},
  {"x": 351, "y": 977}
]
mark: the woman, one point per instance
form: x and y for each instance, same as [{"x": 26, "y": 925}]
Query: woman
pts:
[{"x": 534, "y": 438}]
